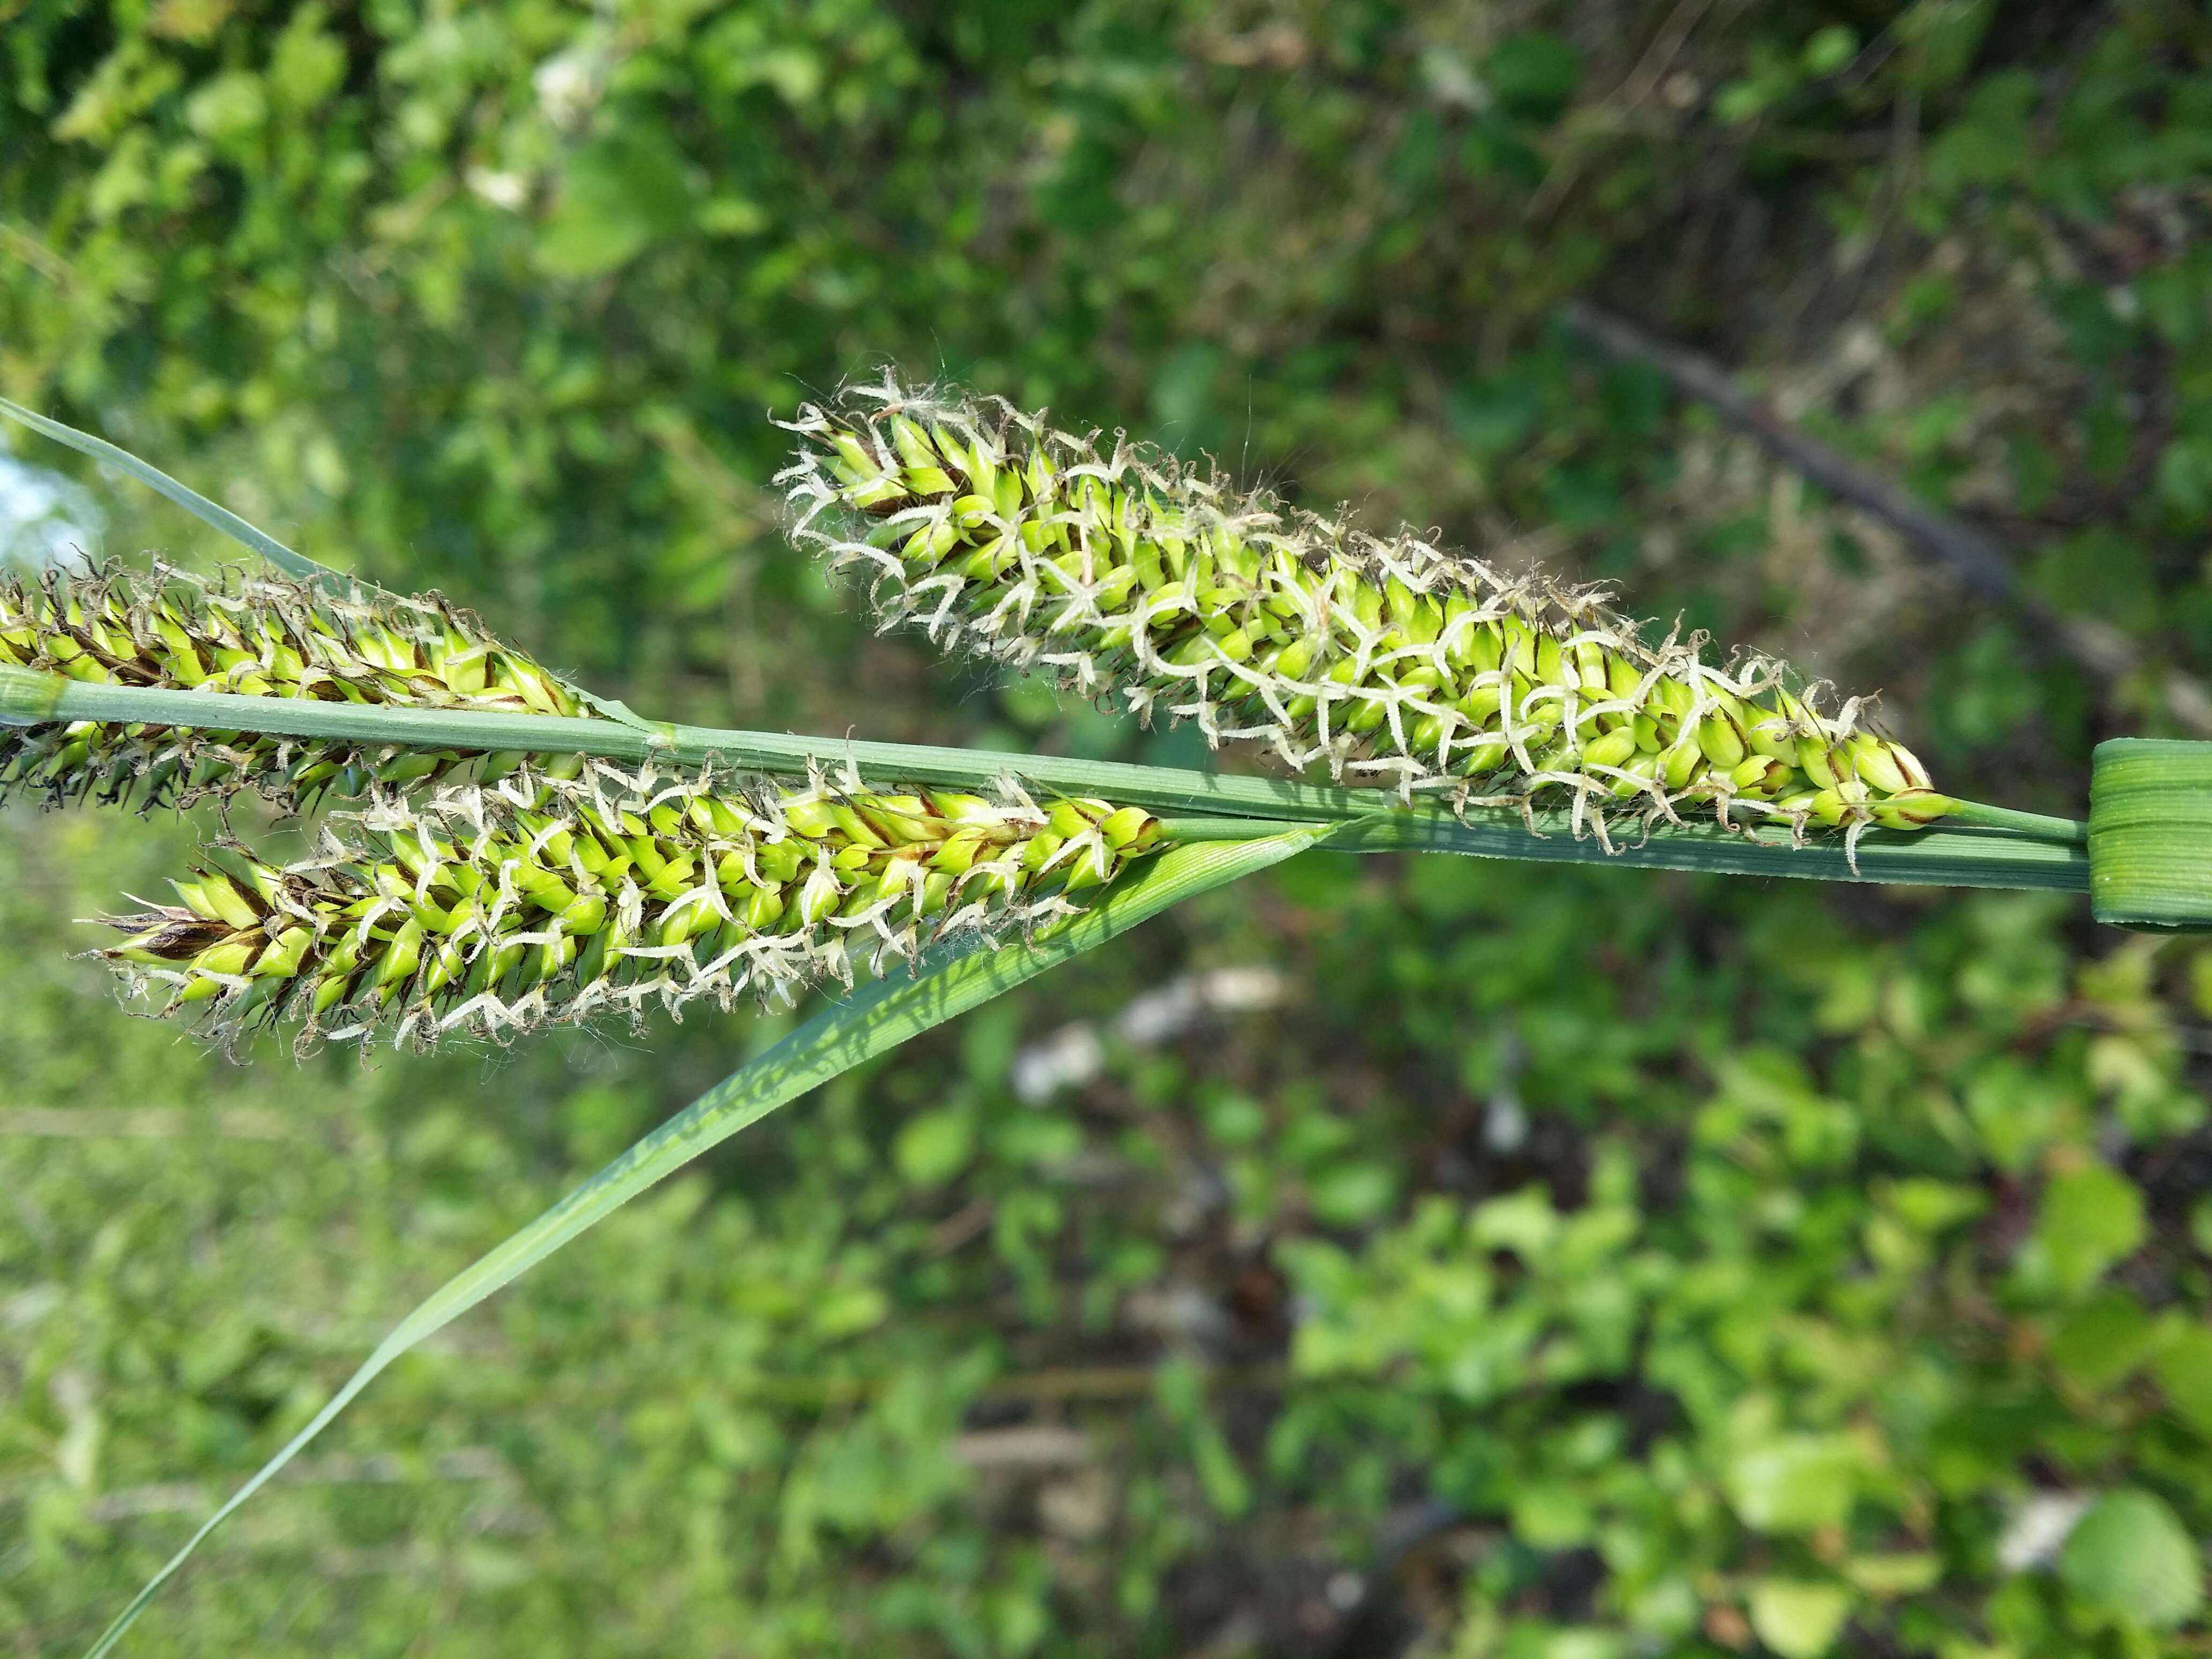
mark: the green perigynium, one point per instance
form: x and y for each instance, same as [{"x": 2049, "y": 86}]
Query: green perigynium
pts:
[
  {"x": 259, "y": 636},
  {"x": 1386, "y": 658},
  {"x": 580, "y": 889}
]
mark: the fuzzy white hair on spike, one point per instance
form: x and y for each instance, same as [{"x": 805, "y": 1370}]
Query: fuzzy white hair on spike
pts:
[
  {"x": 562, "y": 895},
  {"x": 256, "y": 635},
  {"x": 1387, "y": 660}
]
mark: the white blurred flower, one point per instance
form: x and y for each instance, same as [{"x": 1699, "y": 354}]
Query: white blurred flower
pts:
[
  {"x": 569, "y": 84},
  {"x": 507, "y": 191},
  {"x": 2038, "y": 1530},
  {"x": 1075, "y": 1053}
]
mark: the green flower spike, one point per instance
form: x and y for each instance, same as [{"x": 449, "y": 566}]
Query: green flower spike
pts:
[
  {"x": 1385, "y": 659},
  {"x": 557, "y": 895},
  {"x": 258, "y": 636}
]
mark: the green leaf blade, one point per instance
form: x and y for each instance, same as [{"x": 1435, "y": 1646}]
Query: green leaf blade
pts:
[
  {"x": 2132, "y": 1557},
  {"x": 885, "y": 1014},
  {"x": 220, "y": 517}
]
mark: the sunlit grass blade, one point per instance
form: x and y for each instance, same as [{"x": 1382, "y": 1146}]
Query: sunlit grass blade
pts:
[
  {"x": 248, "y": 535},
  {"x": 222, "y": 518},
  {"x": 874, "y": 1021}
]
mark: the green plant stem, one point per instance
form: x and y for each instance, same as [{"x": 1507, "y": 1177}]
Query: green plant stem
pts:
[
  {"x": 2150, "y": 832},
  {"x": 1970, "y": 857},
  {"x": 1926, "y": 858},
  {"x": 2070, "y": 831},
  {"x": 1192, "y": 831}
]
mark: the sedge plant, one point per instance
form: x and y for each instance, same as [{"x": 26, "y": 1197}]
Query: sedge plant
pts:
[{"x": 499, "y": 850}]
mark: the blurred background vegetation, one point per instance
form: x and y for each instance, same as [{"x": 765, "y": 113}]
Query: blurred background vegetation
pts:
[{"x": 1395, "y": 1257}]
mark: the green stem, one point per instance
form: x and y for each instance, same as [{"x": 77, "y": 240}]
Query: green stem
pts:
[
  {"x": 1926, "y": 858},
  {"x": 2150, "y": 829},
  {"x": 2070, "y": 832},
  {"x": 1965, "y": 857},
  {"x": 1184, "y": 832}
]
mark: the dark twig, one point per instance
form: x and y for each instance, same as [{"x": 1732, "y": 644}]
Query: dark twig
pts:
[{"x": 1976, "y": 560}]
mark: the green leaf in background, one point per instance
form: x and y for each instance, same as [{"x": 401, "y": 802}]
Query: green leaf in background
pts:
[
  {"x": 876, "y": 1020},
  {"x": 1942, "y": 37},
  {"x": 1794, "y": 1483},
  {"x": 2103, "y": 1339},
  {"x": 1830, "y": 49},
  {"x": 1886, "y": 1575},
  {"x": 1181, "y": 1391},
  {"x": 1534, "y": 75},
  {"x": 1798, "y": 1619},
  {"x": 2092, "y": 1217},
  {"x": 934, "y": 1147},
  {"x": 2131, "y": 1556},
  {"x": 619, "y": 195},
  {"x": 2183, "y": 1370},
  {"x": 1551, "y": 1517}
]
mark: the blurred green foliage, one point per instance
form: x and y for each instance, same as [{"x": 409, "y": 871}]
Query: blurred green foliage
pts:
[{"x": 1580, "y": 1263}]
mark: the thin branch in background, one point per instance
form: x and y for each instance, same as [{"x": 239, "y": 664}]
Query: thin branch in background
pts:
[
  {"x": 36, "y": 255},
  {"x": 1106, "y": 1382},
  {"x": 969, "y": 1222},
  {"x": 1975, "y": 560},
  {"x": 1023, "y": 1446},
  {"x": 1666, "y": 45}
]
